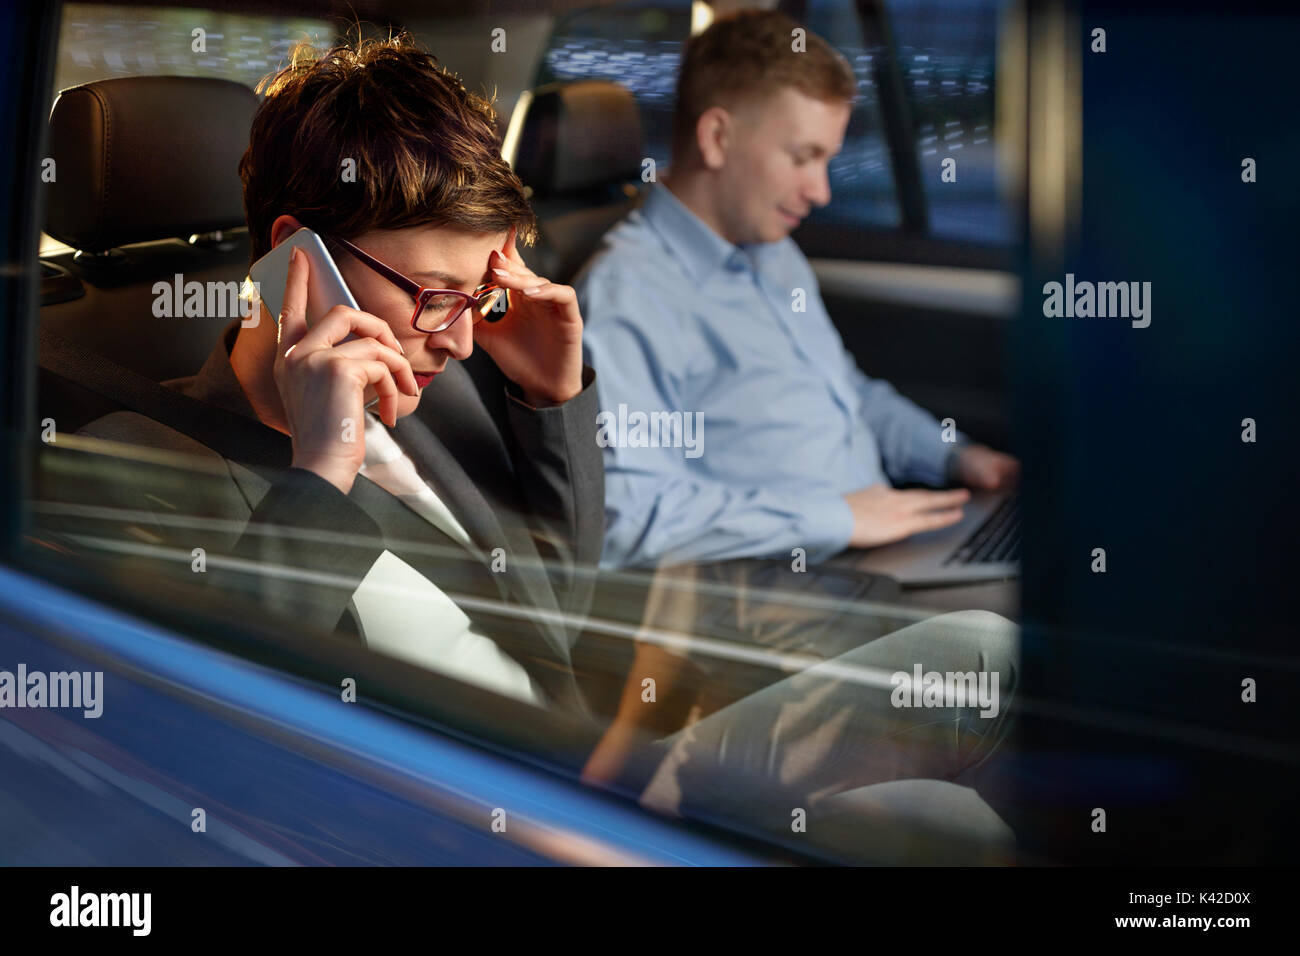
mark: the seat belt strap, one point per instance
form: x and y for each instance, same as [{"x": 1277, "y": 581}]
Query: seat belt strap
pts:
[{"x": 230, "y": 435}]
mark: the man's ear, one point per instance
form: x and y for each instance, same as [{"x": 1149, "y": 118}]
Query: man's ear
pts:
[
  {"x": 713, "y": 133},
  {"x": 283, "y": 228}
]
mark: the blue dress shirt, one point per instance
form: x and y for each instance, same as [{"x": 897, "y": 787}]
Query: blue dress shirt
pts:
[{"x": 680, "y": 320}]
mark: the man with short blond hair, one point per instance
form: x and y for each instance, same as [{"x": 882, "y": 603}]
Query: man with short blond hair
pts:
[{"x": 690, "y": 306}]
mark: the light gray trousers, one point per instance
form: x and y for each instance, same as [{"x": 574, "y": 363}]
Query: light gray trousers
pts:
[{"x": 833, "y": 743}]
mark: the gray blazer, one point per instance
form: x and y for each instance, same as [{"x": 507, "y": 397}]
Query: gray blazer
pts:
[{"x": 527, "y": 481}]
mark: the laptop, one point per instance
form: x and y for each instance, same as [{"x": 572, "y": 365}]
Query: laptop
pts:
[{"x": 983, "y": 546}]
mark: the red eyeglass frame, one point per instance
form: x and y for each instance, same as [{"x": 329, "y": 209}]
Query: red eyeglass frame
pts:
[{"x": 481, "y": 300}]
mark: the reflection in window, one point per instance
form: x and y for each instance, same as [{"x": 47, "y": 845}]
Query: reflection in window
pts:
[
  {"x": 946, "y": 52},
  {"x": 861, "y": 178},
  {"x": 99, "y": 42},
  {"x": 637, "y": 46},
  {"x": 946, "y": 55}
]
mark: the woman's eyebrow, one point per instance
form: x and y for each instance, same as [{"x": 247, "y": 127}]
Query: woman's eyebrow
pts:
[{"x": 446, "y": 280}]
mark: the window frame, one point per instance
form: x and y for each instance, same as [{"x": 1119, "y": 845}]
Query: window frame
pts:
[{"x": 910, "y": 241}]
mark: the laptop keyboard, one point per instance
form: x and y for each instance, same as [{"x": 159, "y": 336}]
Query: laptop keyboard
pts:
[{"x": 996, "y": 540}]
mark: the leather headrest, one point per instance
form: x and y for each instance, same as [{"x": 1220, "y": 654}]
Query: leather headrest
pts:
[
  {"x": 578, "y": 137},
  {"x": 146, "y": 157}
]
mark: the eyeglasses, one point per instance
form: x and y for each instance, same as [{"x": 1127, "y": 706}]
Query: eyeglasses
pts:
[{"x": 435, "y": 309}]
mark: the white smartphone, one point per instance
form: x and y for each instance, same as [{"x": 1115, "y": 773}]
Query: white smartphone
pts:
[{"x": 325, "y": 286}]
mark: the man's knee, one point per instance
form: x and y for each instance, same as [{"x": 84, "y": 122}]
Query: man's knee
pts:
[{"x": 989, "y": 639}]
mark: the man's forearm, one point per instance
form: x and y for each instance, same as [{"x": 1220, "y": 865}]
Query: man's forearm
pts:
[{"x": 679, "y": 520}]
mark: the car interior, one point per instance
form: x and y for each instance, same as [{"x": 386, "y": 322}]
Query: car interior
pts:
[
  {"x": 1155, "y": 689},
  {"x": 138, "y": 222},
  {"x": 935, "y": 329},
  {"x": 128, "y": 211},
  {"x": 147, "y": 189}
]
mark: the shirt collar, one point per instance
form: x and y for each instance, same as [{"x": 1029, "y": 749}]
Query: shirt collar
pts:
[{"x": 701, "y": 251}]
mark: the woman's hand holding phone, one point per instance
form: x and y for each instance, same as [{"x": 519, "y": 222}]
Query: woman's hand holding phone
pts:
[
  {"x": 323, "y": 380},
  {"x": 538, "y": 344}
]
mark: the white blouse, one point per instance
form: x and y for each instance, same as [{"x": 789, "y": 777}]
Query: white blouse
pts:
[{"x": 403, "y": 614}]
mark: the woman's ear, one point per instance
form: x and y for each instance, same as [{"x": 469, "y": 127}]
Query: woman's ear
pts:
[{"x": 283, "y": 228}]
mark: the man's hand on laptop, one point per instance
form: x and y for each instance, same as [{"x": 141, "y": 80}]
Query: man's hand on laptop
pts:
[
  {"x": 982, "y": 468},
  {"x": 882, "y": 514}
]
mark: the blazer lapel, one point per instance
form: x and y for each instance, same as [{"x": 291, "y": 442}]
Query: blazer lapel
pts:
[
  {"x": 452, "y": 425},
  {"x": 438, "y": 454}
]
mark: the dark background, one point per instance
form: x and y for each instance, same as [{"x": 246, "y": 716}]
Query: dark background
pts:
[{"x": 1132, "y": 442}]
